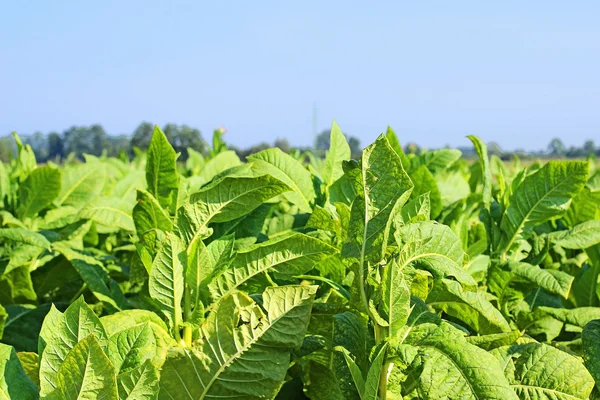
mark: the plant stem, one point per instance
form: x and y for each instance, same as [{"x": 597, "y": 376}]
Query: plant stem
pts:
[
  {"x": 383, "y": 379},
  {"x": 187, "y": 312}
]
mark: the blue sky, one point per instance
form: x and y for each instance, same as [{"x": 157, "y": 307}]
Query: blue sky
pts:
[{"x": 515, "y": 72}]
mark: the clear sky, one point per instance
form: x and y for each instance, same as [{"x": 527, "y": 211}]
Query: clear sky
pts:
[{"x": 515, "y": 72}]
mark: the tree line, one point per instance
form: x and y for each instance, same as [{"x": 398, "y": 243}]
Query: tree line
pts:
[{"x": 79, "y": 140}]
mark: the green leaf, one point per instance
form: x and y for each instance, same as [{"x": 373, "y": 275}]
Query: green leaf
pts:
[
  {"x": 243, "y": 353},
  {"x": 590, "y": 337},
  {"x": 425, "y": 183},
  {"x": 94, "y": 275},
  {"x": 14, "y": 382},
  {"x": 38, "y": 191},
  {"x": 87, "y": 373},
  {"x": 167, "y": 279},
  {"x": 23, "y": 326},
  {"x": 355, "y": 372},
  {"x": 31, "y": 365},
  {"x": 494, "y": 340},
  {"x": 24, "y": 236},
  {"x": 416, "y": 210},
  {"x": 395, "y": 298},
  {"x": 471, "y": 307},
  {"x": 150, "y": 218},
  {"x": 339, "y": 151},
  {"x": 579, "y": 316},
  {"x": 140, "y": 383},
  {"x": 539, "y": 371},
  {"x": 131, "y": 347},
  {"x": 383, "y": 187},
  {"x": 374, "y": 374},
  {"x": 435, "y": 248},
  {"x": 231, "y": 197},
  {"x": 445, "y": 365},
  {"x": 544, "y": 195},
  {"x": 161, "y": 170},
  {"x": 553, "y": 281},
  {"x": 80, "y": 184},
  {"x": 285, "y": 168},
  {"x": 437, "y": 160},
  {"x": 205, "y": 262},
  {"x": 582, "y": 236},
  {"x": 395, "y": 143},
  {"x": 484, "y": 163},
  {"x": 60, "y": 333},
  {"x": 217, "y": 164},
  {"x": 109, "y": 211},
  {"x": 3, "y": 317},
  {"x": 285, "y": 257}
]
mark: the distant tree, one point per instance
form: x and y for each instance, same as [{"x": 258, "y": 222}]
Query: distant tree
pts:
[
  {"x": 322, "y": 142},
  {"x": 119, "y": 144},
  {"x": 182, "y": 137},
  {"x": 355, "y": 148},
  {"x": 283, "y": 145},
  {"x": 589, "y": 147},
  {"x": 557, "y": 147},
  {"x": 55, "y": 146},
  {"x": 412, "y": 148},
  {"x": 85, "y": 140},
  {"x": 494, "y": 148},
  {"x": 142, "y": 135}
]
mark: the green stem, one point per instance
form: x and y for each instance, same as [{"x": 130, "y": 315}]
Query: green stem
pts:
[
  {"x": 187, "y": 312},
  {"x": 383, "y": 379}
]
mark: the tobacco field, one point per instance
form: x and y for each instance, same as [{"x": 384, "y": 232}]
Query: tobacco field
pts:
[{"x": 291, "y": 276}]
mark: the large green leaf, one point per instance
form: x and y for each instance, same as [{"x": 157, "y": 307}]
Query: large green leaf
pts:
[
  {"x": 470, "y": 306},
  {"x": 167, "y": 279},
  {"x": 383, "y": 187},
  {"x": 581, "y": 236},
  {"x": 285, "y": 257},
  {"x": 437, "y": 160},
  {"x": 80, "y": 184},
  {"x": 150, "y": 218},
  {"x": 94, "y": 275},
  {"x": 141, "y": 383},
  {"x": 87, "y": 373},
  {"x": 60, "y": 333},
  {"x": 161, "y": 170},
  {"x": 109, "y": 211},
  {"x": 14, "y": 382},
  {"x": 425, "y": 184},
  {"x": 131, "y": 347},
  {"x": 433, "y": 247},
  {"x": 590, "y": 337},
  {"x": 38, "y": 191},
  {"x": 231, "y": 197},
  {"x": 339, "y": 151},
  {"x": 288, "y": 170},
  {"x": 484, "y": 163},
  {"x": 541, "y": 196},
  {"x": 216, "y": 165},
  {"x": 443, "y": 364},
  {"x": 395, "y": 294},
  {"x": 24, "y": 236},
  {"x": 539, "y": 371},
  {"x": 243, "y": 353}
]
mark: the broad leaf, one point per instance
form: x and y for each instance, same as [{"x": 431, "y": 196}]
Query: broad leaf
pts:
[
  {"x": 539, "y": 371},
  {"x": 243, "y": 352},
  {"x": 87, "y": 373},
  {"x": 161, "y": 170},
  {"x": 167, "y": 279},
  {"x": 38, "y": 191},
  {"x": 541, "y": 196},
  {"x": 285, "y": 168},
  {"x": 383, "y": 187},
  {"x": 14, "y": 382},
  {"x": 338, "y": 152}
]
